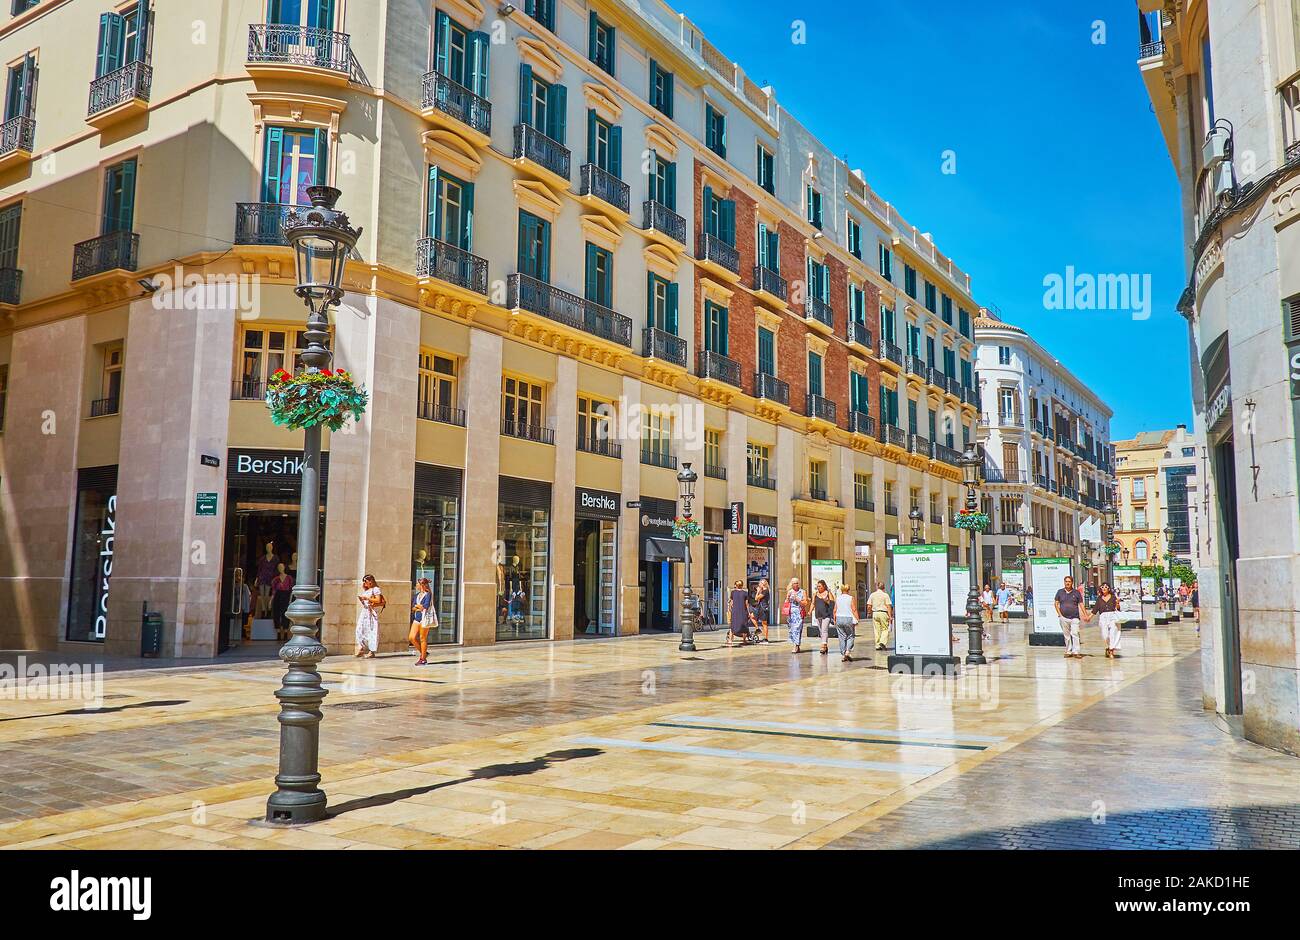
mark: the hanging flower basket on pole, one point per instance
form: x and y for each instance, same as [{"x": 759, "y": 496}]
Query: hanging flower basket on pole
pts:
[
  {"x": 686, "y": 528},
  {"x": 306, "y": 399},
  {"x": 974, "y": 521},
  {"x": 1114, "y": 548}
]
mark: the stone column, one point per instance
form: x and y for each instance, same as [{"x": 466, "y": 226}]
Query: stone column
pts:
[
  {"x": 630, "y": 527},
  {"x": 38, "y": 481},
  {"x": 371, "y": 490},
  {"x": 479, "y": 510},
  {"x": 166, "y": 555},
  {"x": 565, "y": 417},
  {"x": 847, "y": 499},
  {"x": 787, "y": 480}
]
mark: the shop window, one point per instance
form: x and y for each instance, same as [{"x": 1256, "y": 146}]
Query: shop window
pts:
[
  {"x": 523, "y": 570},
  {"x": 437, "y": 388},
  {"x": 93, "y": 540},
  {"x": 435, "y": 543}
]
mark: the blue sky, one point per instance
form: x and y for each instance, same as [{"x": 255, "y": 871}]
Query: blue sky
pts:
[{"x": 1059, "y": 159}]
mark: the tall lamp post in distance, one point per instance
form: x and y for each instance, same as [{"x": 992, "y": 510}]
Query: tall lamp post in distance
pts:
[
  {"x": 1109, "y": 516},
  {"x": 1025, "y": 535},
  {"x": 972, "y": 470},
  {"x": 916, "y": 516},
  {"x": 1169, "y": 555},
  {"x": 686, "y": 479},
  {"x": 321, "y": 238}
]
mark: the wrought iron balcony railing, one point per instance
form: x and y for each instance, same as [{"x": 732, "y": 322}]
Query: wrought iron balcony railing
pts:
[
  {"x": 116, "y": 250},
  {"x": 814, "y": 308},
  {"x": 1010, "y": 420},
  {"x": 659, "y": 218},
  {"x": 948, "y": 455},
  {"x": 817, "y": 493},
  {"x": 531, "y": 144},
  {"x": 714, "y": 471},
  {"x": 443, "y": 414},
  {"x": 605, "y": 186},
  {"x": 760, "y": 481},
  {"x": 311, "y": 46},
  {"x": 658, "y": 458},
  {"x": 769, "y": 282},
  {"x": 712, "y": 365},
  {"x": 918, "y": 444},
  {"x": 858, "y": 333},
  {"x": 103, "y": 406},
  {"x": 436, "y": 258},
  {"x": 247, "y": 390},
  {"x": 528, "y": 293},
  {"x": 17, "y": 133},
  {"x": 528, "y": 431},
  {"x": 915, "y": 365},
  {"x": 891, "y": 352},
  {"x": 660, "y": 344},
  {"x": 600, "y": 446},
  {"x": 891, "y": 508},
  {"x": 714, "y": 250},
  {"x": 132, "y": 81},
  {"x": 440, "y": 93},
  {"x": 11, "y": 285},
  {"x": 862, "y": 423},
  {"x": 936, "y": 378},
  {"x": 260, "y": 223},
  {"x": 1150, "y": 50},
  {"x": 864, "y": 503},
  {"x": 770, "y": 388},
  {"x": 817, "y": 406},
  {"x": 891, "y": 434}
]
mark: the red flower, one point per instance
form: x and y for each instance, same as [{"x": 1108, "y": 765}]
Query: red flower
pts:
[{"x": 327, "y": 373}]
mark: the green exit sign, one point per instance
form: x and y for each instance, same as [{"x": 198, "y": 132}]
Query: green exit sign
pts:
[{"x": 205, "y": 504}]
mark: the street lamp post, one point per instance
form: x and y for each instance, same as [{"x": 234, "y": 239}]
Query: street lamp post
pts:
[
  {"x": 1025, "y": 535},
  {"x": 916, "y": 516},
  {"x": 1108, "y": 536},
  {"x": 1169, "y": 556},
  {"x": 972, "y": 467},
  {"x": 321, "y": 238},
  {"x": 686, "y": 480},
  {"x": 1085, "y": 560}
]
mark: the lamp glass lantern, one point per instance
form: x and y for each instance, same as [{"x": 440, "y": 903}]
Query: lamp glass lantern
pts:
[
  {"x": 916, "y": 517},
  {"x": 972, "y": 468},
  {"x": 321, "y": 238}
]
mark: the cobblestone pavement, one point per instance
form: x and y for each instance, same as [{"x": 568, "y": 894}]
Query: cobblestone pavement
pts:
[{"x": 630, "y": 744}]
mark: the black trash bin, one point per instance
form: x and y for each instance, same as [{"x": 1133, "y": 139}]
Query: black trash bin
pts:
[{"x": 151, "y": 634}]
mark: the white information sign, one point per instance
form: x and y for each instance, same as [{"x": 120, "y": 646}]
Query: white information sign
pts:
[
  {"x": 1014, "y": 581},
  {"x": 959, "y": 589},
  {"x": 1049, "y": 577},
  {"x": 829, "y": 570},
  {"x": 1128, "y": 588},
  {"x": 921, "y": 604}
]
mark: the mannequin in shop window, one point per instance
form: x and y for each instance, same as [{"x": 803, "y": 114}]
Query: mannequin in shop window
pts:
[
  {"x": 510, "y": 579},
  {"x": 281, "y": 586},
  {"x": 267, "y": 567}
]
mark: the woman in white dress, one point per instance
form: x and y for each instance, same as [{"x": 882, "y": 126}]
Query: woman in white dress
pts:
[{"x": 372, "y": 602}]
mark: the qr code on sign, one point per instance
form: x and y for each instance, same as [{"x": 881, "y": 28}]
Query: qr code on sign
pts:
[{"x": 905, "y": 625}]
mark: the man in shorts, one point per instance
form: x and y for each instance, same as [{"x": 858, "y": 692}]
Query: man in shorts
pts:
[
  {"x": 882, "y": 612},
  {"x": 1071, "y": 610}
]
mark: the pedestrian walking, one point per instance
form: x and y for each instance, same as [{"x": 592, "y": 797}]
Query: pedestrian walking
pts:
[
  {"x": 740, "y": 614},
  {"x": 987, "y": 601},
  {"x": 823, "y": 612},
  {"x": 281, "y": 585},
  {"x": 423, "y": 619},
  {"x": 882, "y": 612},
  {"x": 1072, "y": 613},
  {"x": 846, "y": 621},
  {"x": 1196, "y": 601},
  {"x": 761, "y": 608},
  {"x": 372, "y": 602},
  {"x": 1108, "y": 616},
  {"x": 1004, "y": 601},
  {"x": 794, "y": 609}
]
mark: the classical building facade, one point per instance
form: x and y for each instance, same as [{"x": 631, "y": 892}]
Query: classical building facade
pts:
[
  {"x": 1224, "y": 82},
  {"x": 593, "y": 250},
  {"x": 1158, "y": 487},
  {"x": 1047, "y": 448}
]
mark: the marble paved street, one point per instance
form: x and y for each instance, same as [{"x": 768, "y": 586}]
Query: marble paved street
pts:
[{"x": 628, "y": 743}]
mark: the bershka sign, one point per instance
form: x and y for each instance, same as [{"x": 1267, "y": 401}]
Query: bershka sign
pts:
[
  {"x": 269, "y": 466},
  {"x": 107, "y": 534},
  {"x": 598, "y": 504}
]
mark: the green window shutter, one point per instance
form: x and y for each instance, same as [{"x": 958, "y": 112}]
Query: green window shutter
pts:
[
  {"x": 126, "y": 211},
  {"x": 322, "y": 156},
  {"x": 271, "y": 164},
  {"x": 670, "y": 320},
  {"x": 591, "y": 273},
  {"x": 592, "y": 26},
  {"x": 706, "y": 206},
  {"x": 728, "y": 221},
  {"x": 611, "y": 45},
  {"x": 670, "y": 178},
  {"x": 546, "y": 250},
  {"x": 526, "y": 94},
  {"x": 668, "y": 93},
  {"x": 432, "y": 217},
  {"x": 441, "y": 43},
  {"x": 616, "y": 151},
  {"x": 109, "y": 57},
  {"x": 591, "y": 133},
  {"x": 649, "y": 298},
  {"x": 525, "y": 240},
  {"x": 322, "y": 14},
  {"x": 467, "y": 214},
  {"x": 142, "y": 31},
  {"x": 763, "y": 259},
  {"x": 557, "y": 108},
  {"x": 479, "y": 43}
]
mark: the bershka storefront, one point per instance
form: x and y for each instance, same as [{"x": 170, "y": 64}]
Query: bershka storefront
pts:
[
  {"x": 94, "y": 535},
  {"x": 595, "y": 562},
  {"x": 263, "y": 489}
]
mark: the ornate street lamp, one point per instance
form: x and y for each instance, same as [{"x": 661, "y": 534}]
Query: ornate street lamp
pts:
[
  {"x": 1025, "y": 535},
  {"x": 321, "y": 238},
  {"x": 917, "y": 518},
  {"x": 686, "y": 480},
  {"x": 1169, "y": 556},
  {"x": 972, "y": 471},
  {"x": 1109, "y": 518}
]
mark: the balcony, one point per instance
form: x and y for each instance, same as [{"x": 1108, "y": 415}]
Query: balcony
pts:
[
  {"x": 116, "y": 251},
  {"x": 119, "y": 94},
  {"x": 891, "y": 508},
  {"x": 1151, "y": 50},
  {"x": 600, "y": 446},
  {"x": 260, "y": 223},
  {"x": 862, "y": 423},
  {"x": 769, "y": 283},
  {"x": 946, "y": 454},
  {"x": 1053, "y": 487},
  {"x": 299, "y": 52},
  {"x": 17, "y": 138},
  {"x": 920, "y": 445},
  {"x": 970, "y": 396},
  {"x": 819, "y": 408},
  {"x": 527, "y": 431},
  {"x": 954, "y": 387},
  {"x": 1012, "y": 476},
  {"x": 658, "y": 218},
  {"x": 658, "y": 458},
  {"x": 1010, "y": 420},
  {"x": 442, "y": 414},
  {"x": 437, "y": 259},
  {"x": 817, "y": 494},
  {"x": 104, "y": 406},
  {"x": 536, "y": 152},
  {"x": 816, "y": 310},
  {"x": 891, "y": 353},
  {"x": 718, "y": 256},
  {"x": 538, "y": 297},
  {"x": 248, "y": 390},
  {"x": 1038, "y": 427},
  {"x": 717, "y": 367},
  {"x": 715, "y": 472},
  {"x": 858, "y": 334},
  {"x": 759, "y": 481},
  {"x": 915, "y": 365},
  {"x": 601, "y": 189},
  {"x": 890, "y": 434},
  {"x": 936, "y": 378},
  {"x": 1040, "y": 481},
  {"x": 11, "y": 286},
  {"x": 866, "y": 504},
  {"x": 453, "y": 106},
  {"x": 660, "y": 344},
  {"x": 770, "y": 388}
]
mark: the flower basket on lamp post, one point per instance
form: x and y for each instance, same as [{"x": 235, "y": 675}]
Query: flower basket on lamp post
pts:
[{"x": 307, "y": 399}]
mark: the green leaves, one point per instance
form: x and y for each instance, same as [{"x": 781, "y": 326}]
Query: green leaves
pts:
[{"x": 309, "y": 399}]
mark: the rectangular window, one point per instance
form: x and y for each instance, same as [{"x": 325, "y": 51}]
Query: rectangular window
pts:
[
  {"x": 929, "y": 351},
  {"x": 818, "y": 281},
  {"x": 437, "y": 378},
  {"x": 11, "y": 217},
  {"x": 123, "y": 39},
  {"x": 293, "y": 160},
  {"x": 604, "y": 144},
  {"x": 966, "y": 374},
  {"x": 110, "y": 382},
  {"x": 769, "y": 248},
  {"x": 766, "y": 174},
  {"x": 857, "y": 304},
  {"x": 719, "y": 216},
  {"x": 20, "y": 95},
  {"x": 766, "y": 351},
  {"x": 601, "y": 43},
  {"x": 656, "y": 438},
  {"x": 886, "y": 324},
  {"x": 661, "y": 89},
  {"x": 712, "y": 448},
  {"x": 661, "y": 310},
  {"x": 855, "y": 239},
  {"x": 600, "y": 276},
  {"x": 949, "y": 362},
  {"x": 886, "y": 262},
  {"x": 715, "y": 131},
  {"x": 814, "y": 374},
  {"x": 946, "y": 307},
  {"x": 450, "y": 212},
  {"x": 1004, "y": 355},
  {"x": 543, "y": 11},
  {"x": 758, "y": 461},
  {"x": 523, "y": 402},
  {"x": 534, "y": 247},
  {"x": 861, "y": 490},
  {"x": 817, "y": 478},
  {"x": 263, "y": 352},
  {"x": 931, "y": 298},
  {"x": 813, "y": 205},
  {"x": 911, "y": 416},
  {"x": 715, "y": 328},
  {"x": 1139, "y": 488},
  {"x": 963, "y": 320},
  {"x": 543, "y": 106},
  {"x": 1139, "y": 518},
  {"x": 663, "y": 183},
  {"x": 859, "y": 392},
  {"x": 594, "y": 416},
  {"x": 461, "y": 54},
  {"x": 119, "y": 198},
  {"x": 909, "y": 281},
  {"x": 890, "y": 505}
]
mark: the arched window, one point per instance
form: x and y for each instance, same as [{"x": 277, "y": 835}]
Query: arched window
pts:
[{"x": 1141, "y": 551}]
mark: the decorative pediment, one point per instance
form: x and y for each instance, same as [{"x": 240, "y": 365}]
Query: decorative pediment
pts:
[
  {"x": 816, "y": 343},
  {"x": 767, "y": 319},
  {"x": 713, "y": 178},
  {"x": 546, "y": 64},
  {"x": 661, "y": 140},
  {"x": 447, "y": 149},
  {"x": 603, "y": 101},
  {"x": 816, "y": 248},
  {"x": 716, "y": 291},
  {"x": 538, "y": 199},
  {"x": 284, "y": 107},
  {"x": 599, "y": 230},
  {"x": 661, "y": 260},
  {"x": 465, "y": 12}
]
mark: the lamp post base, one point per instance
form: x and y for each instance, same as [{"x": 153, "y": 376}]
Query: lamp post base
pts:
[
  {"x": 1133, "y": 625},
  {"x": 1047, "y": 639},
  {"x": 296, "y": 809},
  {"x": 925, "y": 665}
]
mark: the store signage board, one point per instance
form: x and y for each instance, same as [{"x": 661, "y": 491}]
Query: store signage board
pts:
[
  {"x": 1014, "y": 581},
  {"x": 736, "y": 519},
  {"x": 208, "y": 460},
  {"x": 829, "y": 570},
  {"x": 959, "y": 590},
  {"x": 1049, "y": 576},
  {"x": 1128, "y": 587},
  {"x": 922, "y": 606}
]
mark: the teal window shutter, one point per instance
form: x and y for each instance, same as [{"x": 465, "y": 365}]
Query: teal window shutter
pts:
[
  {"x": 546, "y": 250},
  {"x": 142, "y": 31},
  {"x": 479, "y": 43},
  {"x": 557, "y": 107},
  {"x": 591, "y": 133},
  {"x": 322, "y": 14},
  {"x": 322, "y": 157},
  {"x": 526, "y": 94},
  {"x": 591, "y": 263},
  {"x": 671, "y": 319},
  {"x": 109, "y": 57},
  {"x": 126, "y": 209},
  {"x": 762, "y": 246},
  {"x": 271, "y": 164},
  {"x": 706, "y": 205},
  {"x": 670, "y": 176},
  {"x": 593, "y": 26},
  {"x": 441, "y": 43},
  {"x": 668, "y": 93},
  {"x": 649, "y": 298},
  {"x": 616, "y": 151},
  {"x": 467, "y": 214},
  {"x": 727, "y": 220},
  {"x": 432, "y": 226}
]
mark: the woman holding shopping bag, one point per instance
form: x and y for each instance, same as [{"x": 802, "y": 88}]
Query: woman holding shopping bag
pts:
[
  {"x": 1108, "y": 613},
  {"x": 372, "y": 602}
]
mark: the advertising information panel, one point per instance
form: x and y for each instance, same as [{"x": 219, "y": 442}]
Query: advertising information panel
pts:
[
  {"x": 1049, "y": 577},
  {"x": 921, "y": 601}
]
